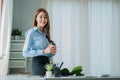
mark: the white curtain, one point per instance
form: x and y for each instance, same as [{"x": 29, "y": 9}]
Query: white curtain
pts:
[
  {"x": 115, "y": 38},
  {"x": 87, "y": 33},
  {"x": 5, "y": 34},
  {"x": 104, "y": 36},
  {"x": 0, "y": 10},
  {"x": 65, "y": 30}
]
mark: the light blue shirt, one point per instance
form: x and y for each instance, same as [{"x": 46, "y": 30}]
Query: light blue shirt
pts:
[{"x": 35, "y": 43}]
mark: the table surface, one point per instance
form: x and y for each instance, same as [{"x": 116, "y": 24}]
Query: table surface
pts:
[{"x": 28, "y": 77}]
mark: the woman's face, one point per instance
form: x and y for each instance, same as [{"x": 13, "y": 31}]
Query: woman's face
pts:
[{"x": 41, "y": 19}]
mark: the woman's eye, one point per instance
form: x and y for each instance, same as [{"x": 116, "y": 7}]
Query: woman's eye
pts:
[{"x": 45, "y": 17}]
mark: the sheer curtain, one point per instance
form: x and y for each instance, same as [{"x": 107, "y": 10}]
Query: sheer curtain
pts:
[
  {"x": 5, "y": 34},
  {"x": 87, "y": 33},
  {"x": 104, "y": 36},
  {"x": 100, "y": 18},
  {"x": 66, "y": 25},
  {"x": 115, "y": 38},
  {"x": 0, "y": 10}
]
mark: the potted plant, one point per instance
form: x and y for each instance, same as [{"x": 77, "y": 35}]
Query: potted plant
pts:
[
  {"x": 49, "y": 68},
  {"x": 16, "y": 33},
  {"x": 77, "y": 71}
]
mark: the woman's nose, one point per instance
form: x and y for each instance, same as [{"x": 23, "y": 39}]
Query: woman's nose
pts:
[{"x": 43, "y": 19}]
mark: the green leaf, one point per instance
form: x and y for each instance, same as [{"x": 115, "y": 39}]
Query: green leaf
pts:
[
  {"x": 79, "y": 74},
  {"x": 77, "y": 69},
  {"x": 65, "y": 72},
  {"x": 49, "y": 67}
]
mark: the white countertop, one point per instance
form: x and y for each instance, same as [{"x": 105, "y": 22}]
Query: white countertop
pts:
[{"x": 29, "y": 77}]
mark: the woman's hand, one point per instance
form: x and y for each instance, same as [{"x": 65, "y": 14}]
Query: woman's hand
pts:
[{"x": 50, "y": 49}]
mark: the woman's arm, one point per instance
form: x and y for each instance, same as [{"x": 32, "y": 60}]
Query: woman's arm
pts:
[{"x": 27, "y": 50}]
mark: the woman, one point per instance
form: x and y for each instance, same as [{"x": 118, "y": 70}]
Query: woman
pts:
[{"x": 37, "y": 42}]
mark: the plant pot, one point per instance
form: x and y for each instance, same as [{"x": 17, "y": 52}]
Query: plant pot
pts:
[
  {"x": 48, "y": 74},
  {"x": 17, "y": 37},
  {"x": 57, "y": 72}
]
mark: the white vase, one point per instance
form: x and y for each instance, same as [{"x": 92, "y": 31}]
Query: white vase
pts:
[
  {"x": 48, "y": 74},
  {"x": 17, "y": 37}
]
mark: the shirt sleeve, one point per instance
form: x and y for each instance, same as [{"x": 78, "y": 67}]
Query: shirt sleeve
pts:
[{"x": 27, "y": 50}]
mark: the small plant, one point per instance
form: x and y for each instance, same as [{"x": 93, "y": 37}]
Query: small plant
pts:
[
  {"x": 49, "y": 67},
  {"x": 75, "y": 71},
  {"x": 16, "y": 31}
]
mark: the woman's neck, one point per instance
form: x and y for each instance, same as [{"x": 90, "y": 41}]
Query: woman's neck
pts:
[{"x": 41, "y": 29}]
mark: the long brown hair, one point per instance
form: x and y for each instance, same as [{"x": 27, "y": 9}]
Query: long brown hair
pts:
[{"x": 47, "y": 26}]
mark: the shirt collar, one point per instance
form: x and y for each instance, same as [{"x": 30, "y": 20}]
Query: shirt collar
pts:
[{"x": 36, "y": 29}]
